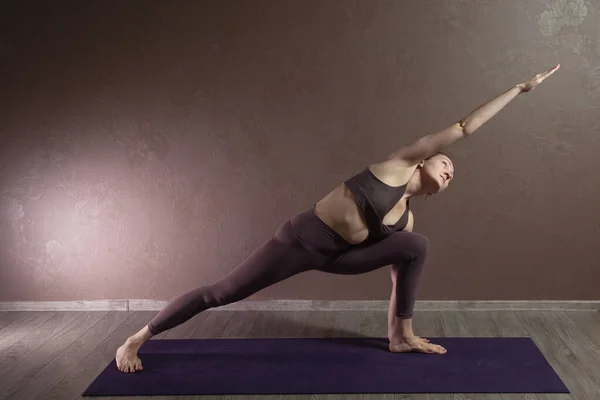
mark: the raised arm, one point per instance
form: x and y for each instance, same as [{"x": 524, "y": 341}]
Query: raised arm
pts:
[{"x": 432, "y": 143}]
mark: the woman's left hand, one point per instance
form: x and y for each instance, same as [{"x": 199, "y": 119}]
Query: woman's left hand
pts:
[{"x": 536, "y": 80}]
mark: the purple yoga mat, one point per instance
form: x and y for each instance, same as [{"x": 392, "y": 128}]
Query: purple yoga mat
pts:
[{"x": 330, "y": 365}]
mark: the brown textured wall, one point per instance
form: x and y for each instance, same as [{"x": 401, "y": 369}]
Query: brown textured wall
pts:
[{"x": 148, "y": 147}]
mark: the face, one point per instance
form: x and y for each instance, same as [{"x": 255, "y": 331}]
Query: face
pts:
[{"x": 438, "y": 172}]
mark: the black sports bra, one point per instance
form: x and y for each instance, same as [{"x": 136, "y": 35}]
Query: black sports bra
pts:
[{"x": 375, "y": 199}]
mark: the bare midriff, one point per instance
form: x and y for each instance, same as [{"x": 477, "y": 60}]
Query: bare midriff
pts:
[{"x": 339, "y": 211}]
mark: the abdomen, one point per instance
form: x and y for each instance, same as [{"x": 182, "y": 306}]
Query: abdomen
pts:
[{"x": 339, "y": 210}]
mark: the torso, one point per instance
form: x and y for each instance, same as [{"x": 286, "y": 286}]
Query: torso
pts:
[{"x": 339, "y": 210}]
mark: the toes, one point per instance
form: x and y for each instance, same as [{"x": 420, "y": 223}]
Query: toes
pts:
[
  {"x": 130, "y": 368},
  {"x": 435, "y": 349}
]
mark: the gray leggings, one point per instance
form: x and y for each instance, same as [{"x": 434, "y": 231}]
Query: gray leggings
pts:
[{"x": 304, "y": 243}]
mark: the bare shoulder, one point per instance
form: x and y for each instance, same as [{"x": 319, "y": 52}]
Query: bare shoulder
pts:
[{"x": 393, "y": 171}]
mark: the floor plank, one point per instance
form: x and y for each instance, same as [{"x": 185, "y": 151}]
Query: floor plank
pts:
[
  {"x": 31, "y": 365},
  {"x": 587, "y": 324},
  {"x": 59, "y": 367},
  {"x": 22, "y": 327},
  {"x": 32, "y": 339},
  {"x": 98, "y": 355},
  {"x": 9, "y": 319}
]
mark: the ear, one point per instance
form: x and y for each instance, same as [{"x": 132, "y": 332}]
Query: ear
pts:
[{"x": 420, "y": 165}]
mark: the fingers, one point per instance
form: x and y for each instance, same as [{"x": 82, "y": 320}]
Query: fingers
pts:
[
  {"x": 550, "y": 71},
  {"x": 547, "y": 73},
  {"x": 539, "y": 78}
]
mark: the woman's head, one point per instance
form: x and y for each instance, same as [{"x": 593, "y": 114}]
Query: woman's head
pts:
[{"x": 437, "y": 171}]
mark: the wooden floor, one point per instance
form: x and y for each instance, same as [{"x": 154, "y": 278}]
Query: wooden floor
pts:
[{"x": 56, "y": 355}]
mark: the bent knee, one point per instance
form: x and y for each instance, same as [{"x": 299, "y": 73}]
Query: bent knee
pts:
[
  {"x": 415, "y": 244},
  {"x": 420, "y": 243}
]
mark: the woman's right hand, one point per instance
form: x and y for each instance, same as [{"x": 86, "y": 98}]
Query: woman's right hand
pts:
[{"x": 536, "y": 80}]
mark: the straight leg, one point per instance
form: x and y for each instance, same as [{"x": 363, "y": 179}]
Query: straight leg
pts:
[{"x": 300, "y": 244}]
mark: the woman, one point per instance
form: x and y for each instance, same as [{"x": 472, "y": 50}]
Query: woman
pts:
[{"x": 363, "y": 224}]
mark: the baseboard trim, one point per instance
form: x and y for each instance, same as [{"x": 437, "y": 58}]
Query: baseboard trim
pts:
[{"x": 308, "y": 305}]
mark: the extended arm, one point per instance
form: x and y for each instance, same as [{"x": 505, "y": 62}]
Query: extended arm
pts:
[{"x": 430, "y": 144}]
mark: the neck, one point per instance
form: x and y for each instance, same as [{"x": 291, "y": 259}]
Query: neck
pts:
[{"x": 414, "y": 187}]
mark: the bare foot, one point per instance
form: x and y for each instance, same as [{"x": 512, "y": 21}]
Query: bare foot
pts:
[
  {"x": 127, "y": 358},
  {"x": 390, "y": 338},
  {"x": 415, "y": 344}
]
